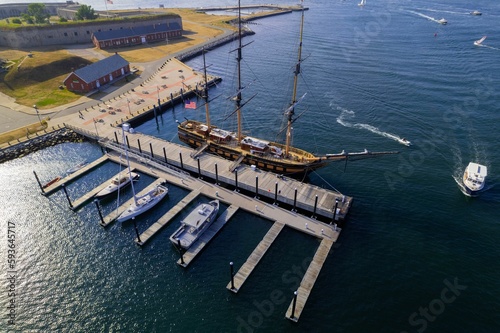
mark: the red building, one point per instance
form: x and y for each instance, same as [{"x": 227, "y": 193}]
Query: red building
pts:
[
  {"x": 96, "y": 75},
  {"x": 137, "y": 35}
]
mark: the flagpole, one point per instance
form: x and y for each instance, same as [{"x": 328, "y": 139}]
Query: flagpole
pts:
[{"x": 106, "y": 5}]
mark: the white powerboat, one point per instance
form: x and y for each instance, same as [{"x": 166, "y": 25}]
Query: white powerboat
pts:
[
  {"x": 442, "y": 21},
  {"x": 474, "y": 177},
  {"x": 479, "y": 41},
  {"x": 118, "y": 182},
  {"x": 76, "y": 167},
  {"x": 404, "y": 141},
  {"x": 141, "y": 203},
  {"x": 476, "y": 12},
  {"x": 195, "y": 224},
  {"x": 362, "y": 3}
]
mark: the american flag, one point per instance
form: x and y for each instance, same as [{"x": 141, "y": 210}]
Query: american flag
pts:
[{"x": 190, "y": 105}]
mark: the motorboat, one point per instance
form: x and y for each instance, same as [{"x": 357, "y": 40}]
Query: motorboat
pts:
[
  {"x": 362, "y": 3},
  {"x": 442, "y": 21},
  {"x": 404, "y": 141},
  {"x": 143, "y": 203},
  {"x": 195, "y": 224},
  {"x": 118, "y": 182},
  {"x": 474, "y": 177},
  {"x": 476, "y": 12},
  {"x": 480, "y": 41}
]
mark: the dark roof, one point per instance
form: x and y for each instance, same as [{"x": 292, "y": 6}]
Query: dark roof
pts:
[
  {"x": 101, "y": 68},
  {"x": 137, "y": 31}
]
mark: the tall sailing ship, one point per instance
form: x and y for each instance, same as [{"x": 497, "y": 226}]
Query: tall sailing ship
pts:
[{"x": 276, "y": 157}]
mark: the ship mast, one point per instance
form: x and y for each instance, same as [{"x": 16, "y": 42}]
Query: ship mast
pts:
[
  {"x": 205, "y": 92},
  {"x": 296, "y": 73},
  {"x": 238, "y": 60}
]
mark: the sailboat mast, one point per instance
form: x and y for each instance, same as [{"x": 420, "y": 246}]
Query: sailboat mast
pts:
[
  {"x": 238, "y": 60},
  {"x": 205, "y": 92},
  {"x": 126, "y": 127},
  {"x": 294, "y": 94}
]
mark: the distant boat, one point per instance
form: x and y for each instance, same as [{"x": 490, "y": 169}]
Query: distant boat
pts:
[
  {"x": 53, "y": 181},
  {"x": 476, "y": 12},
  {"x": 362, "y": 3},
  {"x": 480, "y": 41},
  {"x": 118, "y": 182},
  {"x": 195, "y": 224},
  {"x": 404, "y": 142},
  {"x": 141, "y": 203},
  {"x": 474, "y": 177},
  {"x": 76, "y": 167},
  {"x": 442, "y": 21}
]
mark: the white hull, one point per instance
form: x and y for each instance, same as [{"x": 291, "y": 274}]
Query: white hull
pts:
[
  {"x": 474, "y": 178},
  {"x": 195, "y": 224},
  {"x": 117, "y": 183},
  {"x": 144, "y": 203}
]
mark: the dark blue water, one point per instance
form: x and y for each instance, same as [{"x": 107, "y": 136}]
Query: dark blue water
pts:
[{"x": 416, "y": 254}]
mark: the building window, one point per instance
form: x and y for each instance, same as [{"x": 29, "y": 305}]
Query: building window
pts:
[
  {"x": 65, "y": 34},
  {"x": 76, "y": 33}
]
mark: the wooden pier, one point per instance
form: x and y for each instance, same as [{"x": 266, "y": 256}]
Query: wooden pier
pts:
[
  {"x": 195, "y": 249},
  {"x": 307, "y": 283},
  {"x": 252, "y": 261}
]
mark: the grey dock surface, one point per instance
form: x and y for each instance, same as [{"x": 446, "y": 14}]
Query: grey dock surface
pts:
[
  {"x": 309, "y": 279},
  {"x": 56, "y": 186},
  {"x": 108, "y": 219},
  {"x": 165, "y": 219},
  {"x": 206, "y": 237},
  {"x": 257, "y": 254}
]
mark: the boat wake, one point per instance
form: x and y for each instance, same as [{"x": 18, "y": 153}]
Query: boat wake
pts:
[
  {"x": 445, "y": 11},
  {"x": 430, "y": 18},
  {"x": 347, "y": 114}
]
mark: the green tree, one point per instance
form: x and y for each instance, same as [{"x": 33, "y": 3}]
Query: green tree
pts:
[
  {"x": 37, "y": 10},
  {"x": 86, "y": 12},
  {"x": 27, "y": 18}
]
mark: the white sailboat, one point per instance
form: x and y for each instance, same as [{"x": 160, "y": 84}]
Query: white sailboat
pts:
[
  {"x": 442, "y": 21},
  {"x": 362, "y": 3},
  {"x": 141, "y": 203},
  {"x": 117, "y": 183},
  {"x": 480, "y": 41}
]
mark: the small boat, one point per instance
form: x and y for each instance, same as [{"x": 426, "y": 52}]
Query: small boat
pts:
[
  {"x": 480, "y": 41},
  {"x": 76, "y": 167},
  {"x": 404, "y": 141},
  {"x": 143, "y": 203},
  {"x": 362, "y": 3},
  {"x": 476, "y": 12},
  {"x": 474, "y": 177},
  {"x": 118, "y": 182},
  {"x": 195, "y": 224},
  {"x": 52, "y": 182},
  {"x": 442, "y": 21}
]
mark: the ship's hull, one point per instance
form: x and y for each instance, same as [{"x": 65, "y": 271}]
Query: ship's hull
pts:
[{"x": 280, "y": 166}]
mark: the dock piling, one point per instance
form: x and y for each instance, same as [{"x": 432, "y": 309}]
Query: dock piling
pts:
[
  {"x": 67, "y": 196},
  {"x": 216, "y": 175},
  {"x": 315, "y": 206},
  {"x": 180, "y": 157},
  {"x": 139, "y": 144},
  {"x": 294, "y": 209},
  {"x": 275, "y": 194},
  {"x": 99, "y": 210},
  {"x": 151, "y": 149},
  {"x": 236, "y": 180},
  {"x": 232, "y": 275},
  {"x": 199, "y": 169},
  {"x": 256, "y": 187},
  {"x": 335, "y": 210},
  {"x": 136, "y": 231},
  {"x": 165, "y": 155},
  {"x": 128, "y": 143},
  {"x": 292, "y": 316},
  {"x": 116, "y": 138},
  {"x": 38, "y": 181}
]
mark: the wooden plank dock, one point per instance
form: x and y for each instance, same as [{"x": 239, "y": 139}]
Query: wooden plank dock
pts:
[
  {"x": 307, "y": 283},
  {"x": 108, "y": 219},
  {"x": 69, "y": 178},
  {"x": 165, "y": 219},
  {"x": 252, "y": 261},
  {"x": 195, "y": 249}
]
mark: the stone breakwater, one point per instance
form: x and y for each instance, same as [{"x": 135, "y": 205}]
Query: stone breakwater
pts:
[{"x": 37, "y": 142}]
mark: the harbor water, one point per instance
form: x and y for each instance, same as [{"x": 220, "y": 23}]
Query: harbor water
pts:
[{"x": 415, "y": 253}]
